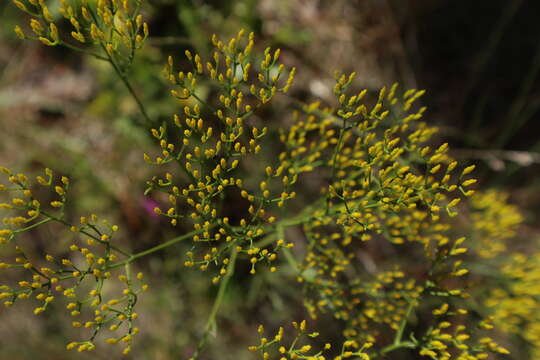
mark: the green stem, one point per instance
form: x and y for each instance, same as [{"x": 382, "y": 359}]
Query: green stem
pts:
[
  {"x": 75, "y": 48},
  {"x": 401, "y": 345},
  {"x": 291, "y": 260},
  {"x": 127, "y": 84},
  {"x": 44, "y": 221},
  {"x": 398, "y": 343},
  {"x": 399, "y": 333},
  {"x": 292, "y": 222},
  {"x": 156, "y": 248},
  {"x": 211, "y": 322},
  {"x": 134, "y": 95},
  {"x": 335, "y": 158},
  {"x": 202, "y": 102},
  {"x": 64, "y": 222}
]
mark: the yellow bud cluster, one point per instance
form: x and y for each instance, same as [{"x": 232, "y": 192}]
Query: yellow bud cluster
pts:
[
  {"x": 440, "y": 343},
  {"x": 115, "y": 31},
  {"x": 62, "y": 277},
  {"x": 213, "y": 159},
  {"x": 275, "y": 347}
]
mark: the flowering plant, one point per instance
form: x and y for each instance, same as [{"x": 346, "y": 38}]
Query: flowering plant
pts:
[{"x": 384, "y": 250}]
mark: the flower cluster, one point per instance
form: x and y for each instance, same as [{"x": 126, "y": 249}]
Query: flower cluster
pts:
[
  {"x": 276, "y": 348},
  {"x": 494, "y": 221},
  {"x": 385, "y": 183},
  {"x": 213, "y": 146},
  {"x": 82, "y": 274},
  {"x": 450, "y": 341},
  {"x": 514, "y": 304},
  {"x": 114, "y": 28}
]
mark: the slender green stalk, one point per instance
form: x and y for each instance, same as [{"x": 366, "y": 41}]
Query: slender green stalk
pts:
[
  {"x": 83, "y": 51},
  {"x": 400, "y": 345},
  {"x": 335, "y": 157},
  {"x": 398, "y": 342},
  {"x": 44, "y": 221},
  {"x": 122, "y": 75},
  {"x": 299, "y": 219},
  {"x": 128, "y": 85},
  {"x": 291, "y": 260},
  {"x": 154, "y": 249},
  {"x": 211, "y": 322},
  {"x": 66, "y": 223},
  {"x": 399, "y": 333}
]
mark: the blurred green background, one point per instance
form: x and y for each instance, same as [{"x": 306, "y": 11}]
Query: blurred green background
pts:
[{"x": 478, "y": 60}]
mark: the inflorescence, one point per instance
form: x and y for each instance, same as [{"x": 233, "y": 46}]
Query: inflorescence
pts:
[{"x": 381, "y": 182}]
